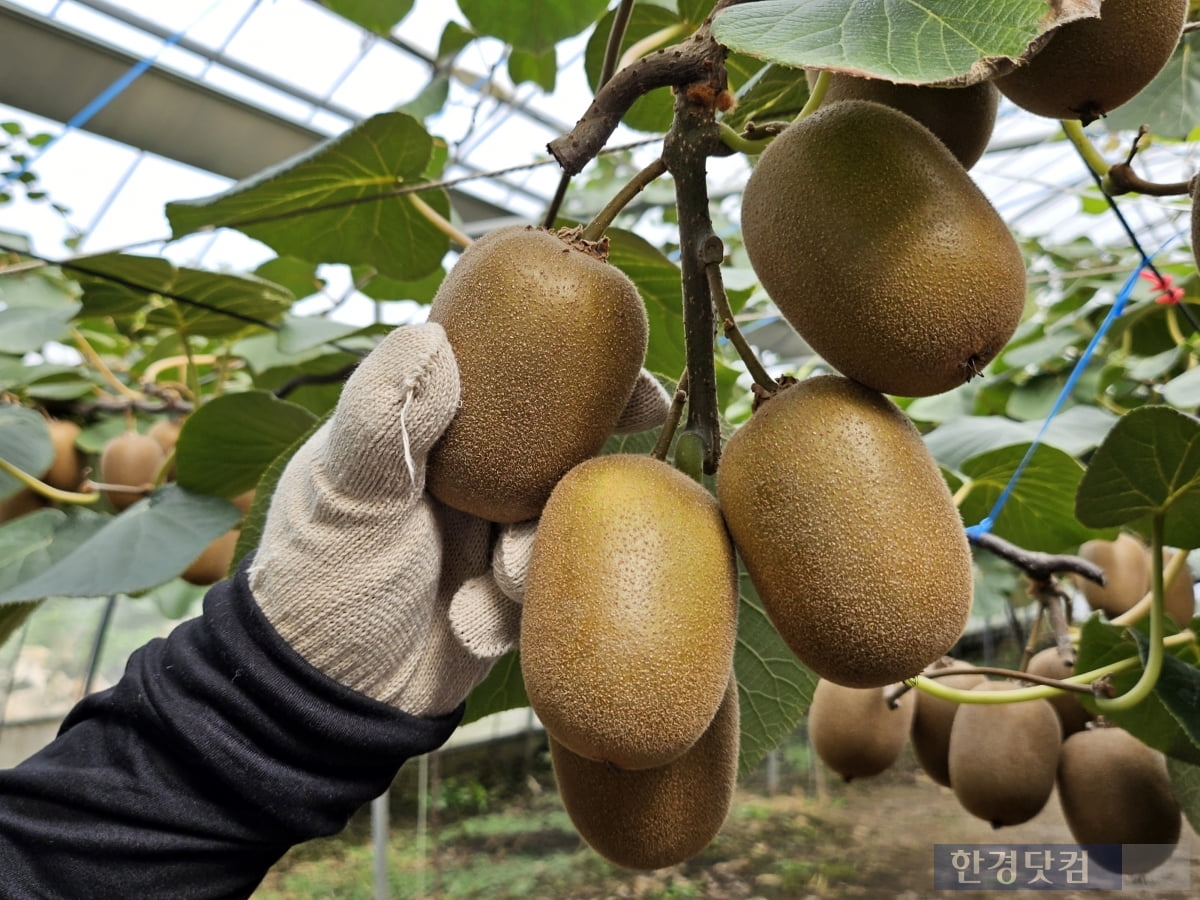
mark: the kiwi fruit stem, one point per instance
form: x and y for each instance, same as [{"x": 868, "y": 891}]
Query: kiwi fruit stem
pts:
[
  {"x": 438, "y": 221},
  {"x": 1154, "y": 658},
  {"x": 1073, "y": 129},
  {"x": 1135, "y": 613},
  {"x": 741, "y": 144},
  {"x": 674, "y": 414},
  {"x": 45, "y": 490},
  {"x": 595, "y": 229},
  {"x": 816, "y": 94}
]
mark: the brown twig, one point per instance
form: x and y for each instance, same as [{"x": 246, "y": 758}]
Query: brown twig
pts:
[{"x": 1040, "y": 567}]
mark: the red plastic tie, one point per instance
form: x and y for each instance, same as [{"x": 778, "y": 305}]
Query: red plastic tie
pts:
[{"x": 1164, "y": 287}]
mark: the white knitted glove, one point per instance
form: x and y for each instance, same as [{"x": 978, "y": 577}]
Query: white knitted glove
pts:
[{"x": 370, "y": 579}]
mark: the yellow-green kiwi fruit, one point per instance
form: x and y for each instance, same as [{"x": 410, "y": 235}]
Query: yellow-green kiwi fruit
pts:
[
  {"x": 1071, "y": 713},
  {"x": 1089, "y": 67},
  {"x": 1126, "y": 567},
  {"x": 931, "y": 725},
  {"x": 549, "y": 339},
  {"x": 652, "y": 818},
  {"x": 848, "y": 532},
  {"x": 133, "y": 460},
  {"x": 961, "y": 117},
  {"x": 880, "y": 250},
  {"x": 1003, "y": 757},
  {"x": 1115, "y": 790},
  {"x": 630, "y": 612},
  {"x": 854, "y": 731},
  {"x": 66, "y": 470}
]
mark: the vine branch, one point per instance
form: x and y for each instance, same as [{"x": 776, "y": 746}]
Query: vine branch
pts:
[{"x": 1040, "y": 567}]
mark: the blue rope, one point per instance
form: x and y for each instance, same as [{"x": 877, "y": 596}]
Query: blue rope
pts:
[
  {"x": 107, "y": 96},
  {"x": 1118, "y": 307}
]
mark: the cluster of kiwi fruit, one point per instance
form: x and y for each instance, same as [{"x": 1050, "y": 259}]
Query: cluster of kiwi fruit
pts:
[
  {"x": 1004, "y": 761},
  {"x": 1126, "y": 562},
  {"x": 129, "y": 466}
]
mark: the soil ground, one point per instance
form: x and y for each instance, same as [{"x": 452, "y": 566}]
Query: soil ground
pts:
[{"x": 814, "y": 839}]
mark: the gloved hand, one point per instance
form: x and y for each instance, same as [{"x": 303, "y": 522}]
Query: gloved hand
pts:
[{"x": 372, "y": 580}]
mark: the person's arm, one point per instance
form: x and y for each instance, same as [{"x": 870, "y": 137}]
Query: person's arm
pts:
[{"x": 218, "y": 750}]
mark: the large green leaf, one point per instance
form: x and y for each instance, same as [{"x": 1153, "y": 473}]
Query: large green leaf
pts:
[
  {"x": 504, "y": 688},
  {"x": 25, "y": 443},
  {"x": 221, "y": 303},
  {"x": 148, "y": 543},
  {"x": 659, "y": 282},
  {"x": 1185, "y": 781},
  {"x": 1039, "y": 513},
  {"x": 1075, "y": 431},
  {"x": 1170, "y": 104},
  {"x": 35, "y": 307},
  {"x": 1168, "y": 719},
  {"x": 33, "y": 543},
  {"x": 776, "y": 92},
  {"x": 379, "y": 16},
  {"x": 336, "y": 203},
  {"x": 774, "y": 688},
  {"x": 227, "y": 444},
  {"x": 534, "y": 25},
  {"x": 900, "y": 40},
  {"x": 1148, "y": 465}
]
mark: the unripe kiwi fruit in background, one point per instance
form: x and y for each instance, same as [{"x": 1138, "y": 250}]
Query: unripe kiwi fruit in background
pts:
[
  {"x": 213, "y": 563},
  {"x": 1071, "y": 713},
  {"x": 1115, "y": 790},
  {"x": 962, "y": 118},
  {"x": 932, "y": 721},
  {"x": 652, "y": 818},
  {"x": 1125, "y": 563},
  {"x": 1179, "y": 597},
  {"x": 854, "y": 731},
  {"x": 1089, "y": 67},
  {"x": 66, "y": 470},
  {"x": 848, "y": 532},
  {"x": 630, "y": 612},
  {"x": 549, "y": 339},
  {"x": 1004, "y": 756},
  {"x": 879, "y": 249},
  {"x": 130, "y": 459}
]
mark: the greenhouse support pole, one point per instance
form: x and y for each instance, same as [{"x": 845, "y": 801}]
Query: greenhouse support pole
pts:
[{"x": 379, "y": 840}]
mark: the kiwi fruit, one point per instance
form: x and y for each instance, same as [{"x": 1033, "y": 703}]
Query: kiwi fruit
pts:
[
  {"x": 1179, "y": 597},
  {"x": 1125, "y": 563},
  {"x": 549, "y": 339},
  {"x": 630, "y": 612},
  {"x": 20, "y": 504},
  {"x": 66, "y": 471},
  {"x": 961, "y": 117},
  {"x": 166, "y": 432},
  {"x": 932, "y": 720},
  {"x": 132, "y": 460},
  {"x": 652, "y": 818},
  {"x": 213, "y": 563},
  {"x": 879, "y": 249},
  {"x": 854, "y": 731},
  {"x": 1003, "y": 757},
  {"x": 1071, "y": 713},
  {"x": 1115, "y": 790},
  {"x": 1089, "y": 67},
  {"x": 848, "y": 532}
]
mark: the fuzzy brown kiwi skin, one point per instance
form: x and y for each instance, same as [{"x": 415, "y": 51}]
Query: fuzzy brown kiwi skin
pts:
[
  {"x": 630, "y": 612},
  {"x": 1004, "y": 757},
  {"x": 848, "y": 532},
  {"x": 855, "y": 732},
  {"x": 652, "y": 818},
  {"x": 1089, "y": 67},
  {"x": 879, "y": 249},
  {"x": 932, "y": 721},
  {"x": 1115, "y": 790},
  {"x": 1126, "y": 566},
  {"x": 961, "y": 117},
  {"x": 1071, "y": 713},
  {"x": 131, "y": 459},
  {"x": 549, "y": 340}
]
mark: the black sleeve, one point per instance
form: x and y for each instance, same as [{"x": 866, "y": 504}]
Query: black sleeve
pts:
[{"x": 218, "y": 749}]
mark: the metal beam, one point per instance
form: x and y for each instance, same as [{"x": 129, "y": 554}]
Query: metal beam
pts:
[{"x": 53, "y": 71}]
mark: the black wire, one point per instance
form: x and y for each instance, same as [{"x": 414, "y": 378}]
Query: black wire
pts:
[{"x": 170, "y": 295}]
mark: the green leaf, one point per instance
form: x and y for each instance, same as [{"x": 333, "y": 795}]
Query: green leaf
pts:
[
  {"x": 774, "y": 688},
  {"x": 504, "y": 688},
  {"x": 902, "y": 41},
  {"x": 1075, "y": 431},
  {"x": 300, "y": 333},
  {"x": 220, "y": 303},
  {"x": 298, "y": 276},
  {"x": 227, "y": 444},
  {"x": 540, "y": 68},
  {"x": 1185, "y": 783},
  {"x": 1164, "y": 720},
  {"x": 1169, "y": 104},
  {"x": 1148, "y": 465},
  {"x": 35, "y": 307},
  {"x": 778, "y": 92},
  {"x": 1183, "y": 390},
  {"x": 659, "y": 282},
  {"x": 381, "y": 288},
  {"x": 535, "y": 25},
  {"x": 33, "y": 543},
  {"x": 147, "y": 544},
  {"x": 380, "y": 16},
  {"x": 430, "y": 100},
  {"x": 1038, "y": 513},
  {"x": 335, "y": 204},
  {"x": 25, "y": 443}
]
